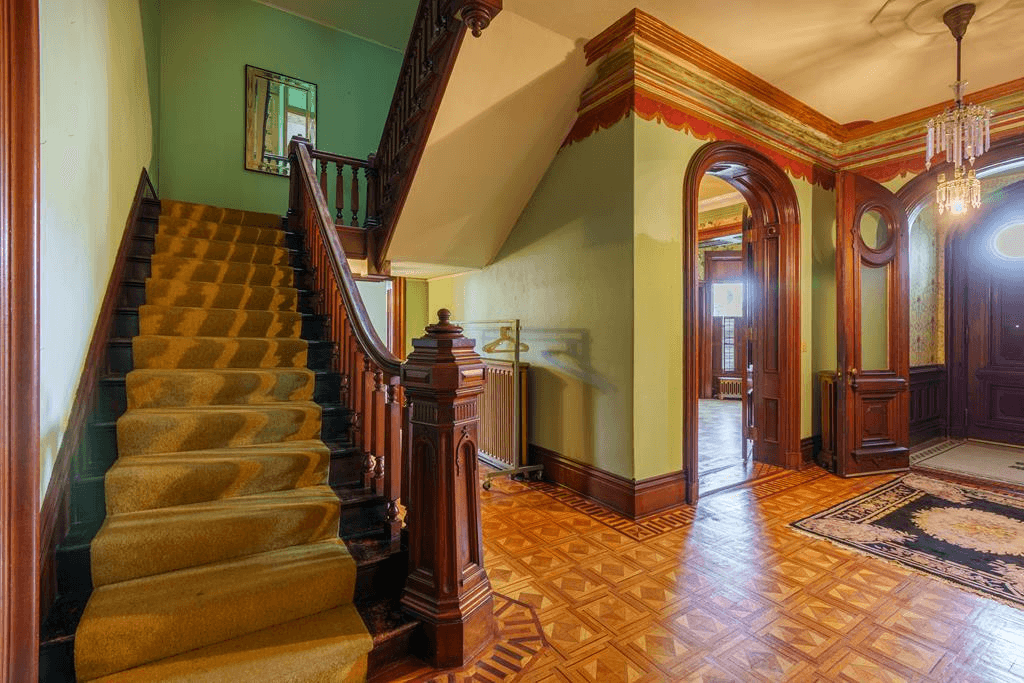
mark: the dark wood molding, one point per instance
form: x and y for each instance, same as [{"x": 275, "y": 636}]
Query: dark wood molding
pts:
[
  {"x": 714, "y": 232},
  {"x": 929, "y": 403},
  {"x": 354, "y": 241},
  {"x": 55, "y": 517},
  {"x": 808, "y": 447},
  {"x": 634, "y": 499},
  {"x": 775, "y": 216},
  {"x": 19, "y": 339}
]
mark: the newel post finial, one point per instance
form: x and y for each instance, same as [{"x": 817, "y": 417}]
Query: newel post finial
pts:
[
  {"x": 447, "y": 588},
  {"x": 477, "y": 14}
]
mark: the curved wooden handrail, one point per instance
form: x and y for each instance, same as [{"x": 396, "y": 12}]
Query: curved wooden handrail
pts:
[
  {"x": 338, "y": 158},
  {"x": 362, "y": 327}
]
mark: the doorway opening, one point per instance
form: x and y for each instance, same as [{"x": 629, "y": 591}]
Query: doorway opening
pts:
[
  {"x": 724, "y": 453},
  {"x": 741, "y": 404}
]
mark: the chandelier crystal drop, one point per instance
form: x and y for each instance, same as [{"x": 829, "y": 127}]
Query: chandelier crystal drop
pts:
[{"x": 962, "y": 131}]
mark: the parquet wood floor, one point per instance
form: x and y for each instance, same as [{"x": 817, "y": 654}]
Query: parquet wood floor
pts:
[{"x": 721, "y": 592}]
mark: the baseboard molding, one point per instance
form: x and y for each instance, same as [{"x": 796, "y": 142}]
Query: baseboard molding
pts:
[
  {"x": 55, "y": 513},
  {"x": 628, "y": 497},
  {"x": 808, "y": 447}
]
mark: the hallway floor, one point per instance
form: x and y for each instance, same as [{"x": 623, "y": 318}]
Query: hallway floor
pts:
[
  {"x": 720, "y": 447},
  {"x": 725, "y": 591}
]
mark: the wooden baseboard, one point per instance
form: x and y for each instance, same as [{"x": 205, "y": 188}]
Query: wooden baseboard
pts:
[
  {"x": 54, "y": 520},
  {"x": 808, "y": 447},
  {"x": 628, "y": 497}
]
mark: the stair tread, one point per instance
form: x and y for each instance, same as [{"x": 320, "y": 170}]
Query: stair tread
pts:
[
  {"x": 148, "y": 542},
  {"x": 147, "y": 619},
  {"x": 327, "y": 646},
  {"x": 309, "y": 444},
  {"x": 227, "y": 408}
]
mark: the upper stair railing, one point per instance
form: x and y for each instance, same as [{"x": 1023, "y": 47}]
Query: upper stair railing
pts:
[{"x": 434, "y": 43}]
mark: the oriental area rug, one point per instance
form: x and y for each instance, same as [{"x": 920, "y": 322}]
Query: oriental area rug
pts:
[{"x": 969, "y": 536}]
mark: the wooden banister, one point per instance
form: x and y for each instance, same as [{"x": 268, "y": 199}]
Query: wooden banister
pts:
[
  {"x": 434, "y": 43},
  {"x": 422, "y": 455}
]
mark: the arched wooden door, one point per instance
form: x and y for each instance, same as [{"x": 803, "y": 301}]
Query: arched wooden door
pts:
[{"x": 873, "y": 281}]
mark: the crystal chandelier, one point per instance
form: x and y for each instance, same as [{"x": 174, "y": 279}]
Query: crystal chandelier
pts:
[{"x": 961, "y": 131}]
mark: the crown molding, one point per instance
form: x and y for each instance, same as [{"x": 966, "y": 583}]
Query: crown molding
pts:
[{"x": 649, "y": 69}]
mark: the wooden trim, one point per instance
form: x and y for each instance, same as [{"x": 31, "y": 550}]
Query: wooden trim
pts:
[
  {"x": 717, "y": 231},
  {"x": 929, "y": 403},
  {"x": 54, "y": 520},
  {"x": 628, "y": 497},
  {"x": 642, "y": 25},
  {"x": 19, "y": 339},
  {"x": 771, "y": 197},
  {"x": 808, "y": 447},
  {"x": 354, "y": 242}
]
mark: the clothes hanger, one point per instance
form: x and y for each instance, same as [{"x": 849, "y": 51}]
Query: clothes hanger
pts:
[{"x": 505, "y": 335}]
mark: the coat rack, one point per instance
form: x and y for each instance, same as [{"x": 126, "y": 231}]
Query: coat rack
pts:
[{"x": 508, "y": 342}]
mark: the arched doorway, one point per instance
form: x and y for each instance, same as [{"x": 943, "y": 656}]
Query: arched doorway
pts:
[{"x": 771, "y": 245}]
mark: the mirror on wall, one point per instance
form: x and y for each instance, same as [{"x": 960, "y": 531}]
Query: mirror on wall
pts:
[{"x": 277, "y": 108}]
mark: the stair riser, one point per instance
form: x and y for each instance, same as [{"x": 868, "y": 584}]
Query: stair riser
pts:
[
  {"x": 236, "y": 598},
  {"x": 153, "y": 482},
  {"x": 289, "y": 240},
  {"x": 227, "y": 251},
  {"x": 126, "y": 325},
  {"x": 335, "y": 422},
  {"x": 112, "y": 400},
  {"x": 133, "y": 295},
  {"x": 166, "y": 432},
  {"x": 121, "y": 554}
]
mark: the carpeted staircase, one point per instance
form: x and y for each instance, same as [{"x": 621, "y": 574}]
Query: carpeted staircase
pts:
[{"x": 219, "y": 559}]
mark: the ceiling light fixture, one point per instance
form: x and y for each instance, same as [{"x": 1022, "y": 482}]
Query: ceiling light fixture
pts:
[{"x": 961, "y": 131}]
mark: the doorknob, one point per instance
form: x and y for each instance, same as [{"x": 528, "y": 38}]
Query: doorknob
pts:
[{"x": 853, "y": 378}]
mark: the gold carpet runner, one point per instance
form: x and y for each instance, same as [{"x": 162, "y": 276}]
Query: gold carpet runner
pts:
[{"x": 219, "y": 559}]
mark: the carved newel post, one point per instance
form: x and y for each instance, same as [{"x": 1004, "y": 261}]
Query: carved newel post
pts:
[{"x": 447, "y": 588}]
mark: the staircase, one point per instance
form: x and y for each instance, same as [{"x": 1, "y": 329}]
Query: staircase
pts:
[{"x": 219, "y": 558}]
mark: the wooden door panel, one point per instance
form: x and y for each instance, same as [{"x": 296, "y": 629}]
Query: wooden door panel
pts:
[{"x": 872, "y": 389}]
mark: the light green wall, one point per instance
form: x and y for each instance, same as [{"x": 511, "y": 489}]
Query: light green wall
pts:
[
  {"x": 661, "y": 159},
  {"x": 96, "y": 136},
  {"x": 375, "y": 297},
  {"x": 417, "y": 315},
  {"x": 565, "y": 271},
  {"x": 823, "y": 302},
  {"x": 204, "y": 48}
]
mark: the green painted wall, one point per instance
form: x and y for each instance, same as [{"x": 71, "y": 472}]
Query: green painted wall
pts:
[
  {"x": 149, "y": 11},
  {"x": 204, "y": 47},
  {"x": 96, "y": 136},
  {"x": 823, "y": 302},
  {"x": 565, "y": 271}
]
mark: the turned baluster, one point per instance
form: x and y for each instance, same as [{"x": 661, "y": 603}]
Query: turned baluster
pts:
[
  {"x": 392, "y": 464},
  {"x": 355, "y": 196},
  {"x": 357, "y": 395},
  {"x": 323, "y": 176},
  {"x": 372, "y": 188},
  {"x": 366, "y": 431},
  {"x": 377, "y": 431},
  {"x": 339, "y": 192}
]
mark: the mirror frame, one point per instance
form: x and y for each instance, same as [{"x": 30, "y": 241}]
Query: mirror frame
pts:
[{"x": 250, "y": 125}]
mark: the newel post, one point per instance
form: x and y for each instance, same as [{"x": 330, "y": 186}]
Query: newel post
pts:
[
  {"x": 447, "y": 588},
  {"x": 294, "y": 179}
]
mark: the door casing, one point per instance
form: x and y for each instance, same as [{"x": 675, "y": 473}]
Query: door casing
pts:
[{"x": 775, "y": 211}]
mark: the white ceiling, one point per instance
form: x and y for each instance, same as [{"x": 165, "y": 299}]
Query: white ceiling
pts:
[{"x": 851, "y": 60}]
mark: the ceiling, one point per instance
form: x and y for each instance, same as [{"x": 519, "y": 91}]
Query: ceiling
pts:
[
  {"x": 387, "y": 22},
  {"x": 851, "y": 60}
]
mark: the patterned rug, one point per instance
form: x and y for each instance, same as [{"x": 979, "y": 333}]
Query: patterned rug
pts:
[{"x": 970, "y": 536}]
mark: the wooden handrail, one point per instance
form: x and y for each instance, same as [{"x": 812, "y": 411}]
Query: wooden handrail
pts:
[
  {"x": 434, "y": 43},
  {"x": 362, "y": 327},
  {"x": 423, "y": 454}
]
